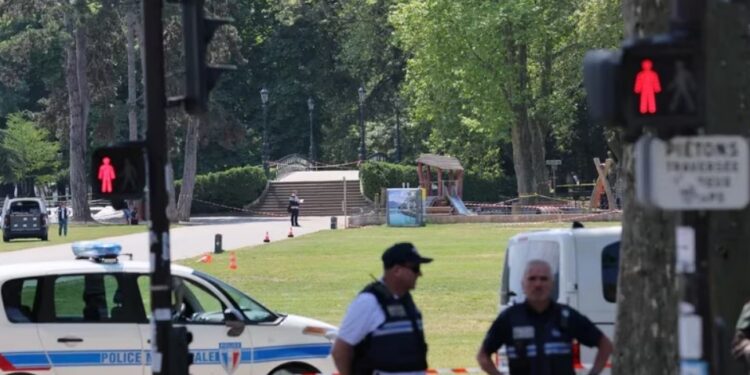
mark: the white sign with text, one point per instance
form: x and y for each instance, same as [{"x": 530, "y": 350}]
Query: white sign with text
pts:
[{"x": 709, "y": 172}]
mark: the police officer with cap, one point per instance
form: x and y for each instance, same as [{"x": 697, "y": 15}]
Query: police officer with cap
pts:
[
  {"x": 382, "y": 330},
  {"x": 539, "y": 332}
]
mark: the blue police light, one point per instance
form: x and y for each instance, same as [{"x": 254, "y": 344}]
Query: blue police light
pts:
[{"x": 96, "y": 250}]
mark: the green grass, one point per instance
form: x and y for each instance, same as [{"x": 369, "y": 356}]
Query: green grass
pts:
[
  {"x": 317, "y": 275},
  {"x": 75, "y": 233}
]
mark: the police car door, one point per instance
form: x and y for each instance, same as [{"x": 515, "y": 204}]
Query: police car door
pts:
[
  {"x": 88, "y": 324},
  {"x": 198, "y": 306}
]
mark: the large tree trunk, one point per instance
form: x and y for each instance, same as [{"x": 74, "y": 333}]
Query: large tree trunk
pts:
[
  {"x": 647, "y": 296},
  {"x": 526, "y": 135},
  {"x": 132, "y": 23},
  {"x": 185, "y": 202},
  {"x": 78, "y": 183}
]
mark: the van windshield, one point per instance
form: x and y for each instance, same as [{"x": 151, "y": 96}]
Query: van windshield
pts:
[{"x": 516, "y": 258}]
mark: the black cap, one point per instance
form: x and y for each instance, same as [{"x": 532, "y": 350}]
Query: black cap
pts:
[{"x": 401, "y": 253}]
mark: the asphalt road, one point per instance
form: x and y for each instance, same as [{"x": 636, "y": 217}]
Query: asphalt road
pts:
[{"x": 190, "y": 240}]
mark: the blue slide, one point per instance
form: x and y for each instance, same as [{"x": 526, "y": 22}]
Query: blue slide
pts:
[{"x": 458, "y": 204}]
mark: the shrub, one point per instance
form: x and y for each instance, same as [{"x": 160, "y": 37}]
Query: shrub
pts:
[
  {"x": 235, "y": 187},
  {"x": 488, "y": 187},
  {"x": 375, "y": 176}
]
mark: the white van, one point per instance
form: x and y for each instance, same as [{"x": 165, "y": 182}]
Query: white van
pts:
[{"x": 585, "y": 267}]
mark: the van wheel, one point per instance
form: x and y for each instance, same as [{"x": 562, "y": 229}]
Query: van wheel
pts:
[
  {"x": 6, "y": 238},
  {"x": 294, "y": 368},
  {"x": 44, "y": 238}
]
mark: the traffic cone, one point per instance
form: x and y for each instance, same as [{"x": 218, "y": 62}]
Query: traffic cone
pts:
[
  {"x": 206, "y": 258},
  {"x": 232, "y": 261},
  {"x": 266, "y": 238},
  {"x": 290, "y": 235}
]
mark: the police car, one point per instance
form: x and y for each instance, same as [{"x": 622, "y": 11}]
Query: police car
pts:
[{"x": 90, "y": 315}]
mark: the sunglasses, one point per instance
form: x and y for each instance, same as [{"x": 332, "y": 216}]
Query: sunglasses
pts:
[{"x": 413, "y": 267}]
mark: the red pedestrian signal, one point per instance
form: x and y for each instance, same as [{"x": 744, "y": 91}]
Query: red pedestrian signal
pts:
[
  {"x": 647, "y": 86},
  {"x": 119, "y": 172}
]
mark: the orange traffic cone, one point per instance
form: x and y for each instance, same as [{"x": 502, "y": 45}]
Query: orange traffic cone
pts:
[
  {"x": 290, "y": 235},
  {"x": 206, "y": 258},
  {"x": 232, "y": 261},
  {"x": 266, "y": 238}
]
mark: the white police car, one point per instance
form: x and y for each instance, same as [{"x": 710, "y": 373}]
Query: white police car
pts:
[{"x": 91, "y": 316}]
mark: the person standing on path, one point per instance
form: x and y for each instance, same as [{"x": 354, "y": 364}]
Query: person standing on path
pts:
[
  {"x": 293, "y": 208},
  {"x": 62, "y": 219},
  {"x": 382, "y": 329}
]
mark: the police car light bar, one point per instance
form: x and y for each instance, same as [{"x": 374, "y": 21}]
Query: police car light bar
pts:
[{"x": 96, "y": 250}]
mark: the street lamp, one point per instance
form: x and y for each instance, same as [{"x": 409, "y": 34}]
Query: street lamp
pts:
[
  {"x": 265, "y": 150},
  {"x": 362, "y": 150},
  {"x": 397, "y": 104},
  {"x": 311, "y": 107}
]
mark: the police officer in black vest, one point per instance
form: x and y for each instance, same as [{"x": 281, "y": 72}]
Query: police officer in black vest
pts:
[
  {"x": 382, "y": 330},
  {"x": 538, "y": 333}
]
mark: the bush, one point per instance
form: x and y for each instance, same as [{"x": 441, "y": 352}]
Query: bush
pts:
[
  {"x": 377, "y": 175},
  {"x": 235, "y": 187},
  {"x": 488, "y": 187}
]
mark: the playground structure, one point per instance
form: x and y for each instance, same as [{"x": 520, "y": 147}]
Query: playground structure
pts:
[{"x": 447, "y": 188}]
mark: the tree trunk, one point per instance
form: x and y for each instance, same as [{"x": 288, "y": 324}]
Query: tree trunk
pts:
[
  {"x": 647, "y": 296},
  {"x": 185, "y": 202},
  {"x": 130, "y": 20},
  {"x": 728, "y": 109},
  {"x": 78, "y": 183},
  {"x": 526, "y": 135}
]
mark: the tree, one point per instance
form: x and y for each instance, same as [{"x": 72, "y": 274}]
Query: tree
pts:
[{"x": 30, "y": 157}]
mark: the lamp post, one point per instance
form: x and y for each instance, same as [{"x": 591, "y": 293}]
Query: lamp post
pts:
[
  {"x": 265, "y": 150},
  {"x": 398, "y": 130},
  {"x": 362, "y": 150},
  {"x": 311, "y": 107}
]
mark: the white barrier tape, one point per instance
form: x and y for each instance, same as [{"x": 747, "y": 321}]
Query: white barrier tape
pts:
[
  {"x": 459, "y": 370},
  {"x": 560, "y": 217}
]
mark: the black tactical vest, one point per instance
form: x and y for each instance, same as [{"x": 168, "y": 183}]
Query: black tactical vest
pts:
[
  {"x": 539, "y": 347},
  {"x": 398, "y": 344}
]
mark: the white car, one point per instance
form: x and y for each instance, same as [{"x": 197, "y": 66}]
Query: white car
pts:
[{"x": 91, "y": 316}]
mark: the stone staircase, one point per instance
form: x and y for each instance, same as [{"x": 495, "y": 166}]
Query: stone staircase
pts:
[{"x": 322, "y": 198}]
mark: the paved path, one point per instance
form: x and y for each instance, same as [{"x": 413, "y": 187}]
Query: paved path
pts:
[{"x": 190, "y": 240}]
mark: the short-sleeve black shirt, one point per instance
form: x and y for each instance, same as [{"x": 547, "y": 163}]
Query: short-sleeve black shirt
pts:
[{"x": 577, "y": 326}]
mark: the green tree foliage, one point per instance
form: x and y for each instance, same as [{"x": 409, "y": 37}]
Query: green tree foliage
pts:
[
  {"x": 28, "y": 154},
  {"x": 376, "y": 176},
  {"x": 234, "y": 187}
]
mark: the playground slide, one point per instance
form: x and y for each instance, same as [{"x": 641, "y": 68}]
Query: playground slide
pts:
[{"x": 458, "y": 204}]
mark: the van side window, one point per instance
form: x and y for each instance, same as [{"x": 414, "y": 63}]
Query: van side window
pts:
[{"x": 610, "y": 271}]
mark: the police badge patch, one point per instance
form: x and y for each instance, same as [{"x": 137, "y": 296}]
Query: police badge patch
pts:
[{"x": 230, "y": 354}]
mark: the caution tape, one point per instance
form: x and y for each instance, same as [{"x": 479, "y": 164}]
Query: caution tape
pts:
[
  {"x": 567, "y": 217},
  {"x": 458, "y": 370},
  {"x": 261, "y": 213}
]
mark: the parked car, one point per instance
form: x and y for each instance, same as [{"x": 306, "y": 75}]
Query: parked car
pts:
[
  {"x": 25, "y": 218},
  {"x": 91, "y": 316},
  {"x": 585, "y": 268}
]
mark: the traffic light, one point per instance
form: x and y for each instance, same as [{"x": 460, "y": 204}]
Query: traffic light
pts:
[
  {"x": 200, "y": 77},
  {"x": 119, "y": 171},
  {"x": 180, "y": 339},
  {"x": 656, "y": 82}
]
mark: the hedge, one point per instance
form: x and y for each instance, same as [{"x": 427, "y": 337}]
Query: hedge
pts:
[
  {"x": 235, "y": 187},
  {"x": 377, "y": 175}
]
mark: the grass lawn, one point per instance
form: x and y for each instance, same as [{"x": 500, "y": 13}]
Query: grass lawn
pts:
[
  {"x": 75, "y": 233},
  {"x": 317, "y": 275}
]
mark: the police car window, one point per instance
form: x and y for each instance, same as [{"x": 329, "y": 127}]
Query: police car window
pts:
[
  {"x": 191, "y": 303},
  {"x": 610, "y": 271},
  {"x": 254, "y": 311},
  {"x": 19, "y": 300},
  {"x": 95, "y": 298}
]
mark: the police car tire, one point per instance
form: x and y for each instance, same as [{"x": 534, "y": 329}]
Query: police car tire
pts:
[{"x": 294, "y": 368}]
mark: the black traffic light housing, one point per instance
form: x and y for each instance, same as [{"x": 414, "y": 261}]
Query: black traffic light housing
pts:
[
  {"x": 655, "y": 82},
  {"x": 200, "y": 77},
  {"x": 119, "y": 171},
  {"x": 179, "y": 341}
]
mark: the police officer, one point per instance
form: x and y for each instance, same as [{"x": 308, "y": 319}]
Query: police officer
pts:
[
  {"x": 293, "y": 208},
  {"x": 538, "y": 333},
  {"x": 741, "y": 342},
  {"x": 382, "y": 330}
]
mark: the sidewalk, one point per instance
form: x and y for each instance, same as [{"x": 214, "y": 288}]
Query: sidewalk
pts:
[{"x": 190, "y": 240}]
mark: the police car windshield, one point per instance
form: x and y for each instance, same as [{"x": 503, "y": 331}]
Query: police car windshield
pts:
[{"x": 253, "y": 310}]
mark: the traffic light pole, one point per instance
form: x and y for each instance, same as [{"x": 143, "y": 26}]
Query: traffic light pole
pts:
[{"x": 155, "y": 102}]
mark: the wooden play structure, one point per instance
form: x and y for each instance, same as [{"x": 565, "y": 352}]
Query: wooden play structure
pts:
[
  {"x": 602, "y": 186},
  {"x": 452, "y": 183}
]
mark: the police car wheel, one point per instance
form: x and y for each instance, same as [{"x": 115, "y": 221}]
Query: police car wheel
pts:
[{"x": 294, "y": 368}]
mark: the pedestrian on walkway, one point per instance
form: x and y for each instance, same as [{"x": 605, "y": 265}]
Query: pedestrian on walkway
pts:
[
  {"x": 62, "y": 219},
  {"x": 741, "y": 343},
  {"x": 293, "y": 208},
  {"x": 382, "y": 329},
  {"x": 538, "y": 333}
]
